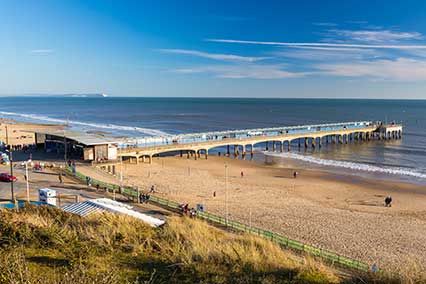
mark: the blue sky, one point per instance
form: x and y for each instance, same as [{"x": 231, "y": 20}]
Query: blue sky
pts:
[{"x": 345, "y": 49}]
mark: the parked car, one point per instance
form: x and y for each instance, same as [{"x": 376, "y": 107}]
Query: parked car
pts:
[{"x": 7, "y": 178}]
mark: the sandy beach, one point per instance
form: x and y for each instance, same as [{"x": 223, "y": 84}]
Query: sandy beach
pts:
[
  {"x": 345, "y": 214},
  {"x": 20, "y": 133},
  {"x": 342, "y": 213}
]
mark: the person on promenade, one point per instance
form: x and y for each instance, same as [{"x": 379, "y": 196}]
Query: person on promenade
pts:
[
  {"x": 295, "y": 173},
  {"x": 60, "y": 177},
  {"x": 185, "y": 208},
  {"x": 88, "y": 181}
]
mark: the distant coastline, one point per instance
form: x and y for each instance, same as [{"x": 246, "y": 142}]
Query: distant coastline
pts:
[{"x": 69, "y": 95}]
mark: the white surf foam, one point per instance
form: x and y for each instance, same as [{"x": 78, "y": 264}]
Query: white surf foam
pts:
[
  {"x": 349, "y": 165},
  {"x": 34, "y": 117}
]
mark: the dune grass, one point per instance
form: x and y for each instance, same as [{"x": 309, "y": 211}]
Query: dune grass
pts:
[{"x": 47, "y": 245}]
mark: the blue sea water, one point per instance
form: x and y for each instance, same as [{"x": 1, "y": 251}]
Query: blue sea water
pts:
[{"x": 403, "y": 159}]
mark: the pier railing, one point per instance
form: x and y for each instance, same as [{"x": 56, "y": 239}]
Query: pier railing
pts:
[
  {"x": 328, "y": 256},
  {"x": 182, "y": 139}
]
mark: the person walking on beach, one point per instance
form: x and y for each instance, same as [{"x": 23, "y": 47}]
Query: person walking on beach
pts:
[
  {"x": 295, "y": 173},
  {"x": 60, "y": 178},
  {"x": 388, "y": 201},
  {"x": 242, "y": 174},
  {"x": 152, "y": 190}
]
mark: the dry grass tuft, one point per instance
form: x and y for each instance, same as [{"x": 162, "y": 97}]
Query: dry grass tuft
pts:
[{"x": 47, "y": 245}]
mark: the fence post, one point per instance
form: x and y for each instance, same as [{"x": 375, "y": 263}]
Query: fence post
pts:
[{"x": 138, "y": 195}]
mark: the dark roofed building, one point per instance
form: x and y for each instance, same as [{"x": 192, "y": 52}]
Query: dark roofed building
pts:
[{"x": 78, "y": 145}]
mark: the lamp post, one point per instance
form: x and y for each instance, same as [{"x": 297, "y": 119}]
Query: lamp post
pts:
[
  {"x": 27, "y": 180},
  {"x": 121, "y": 171},
  {"x": 65, "y": 149},
  {"x": 7, "y": 136},
  {"x": 12, "y": 191},
  {"x": 226, "y": 194}
]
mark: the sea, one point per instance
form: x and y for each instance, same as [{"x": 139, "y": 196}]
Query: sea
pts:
[{"x": 401, "y": 160}]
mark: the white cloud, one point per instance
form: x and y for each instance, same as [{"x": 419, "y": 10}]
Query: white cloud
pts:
[
  {"x": 357, "y": 22},
  {"x": 252, "y": 71},
  {"x": 216, "y": 56},
  {"x": 401, "y": 69},
  {"x": 328, "y": 53},
  {"x": 42, "y": 51},
  {"x": 376, "y": 36},
  {"x": 325, "y": 24},
  {"x": 321, "y": 44}
]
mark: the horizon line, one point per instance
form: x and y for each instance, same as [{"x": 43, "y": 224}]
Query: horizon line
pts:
[{"x": 212, "y": 97}]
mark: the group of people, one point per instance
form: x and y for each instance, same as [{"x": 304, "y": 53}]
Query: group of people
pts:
[
  {"x": 23, "y": 147},
  {"x": 144, "y": 198},
  {"x": 187, "y": 211}
]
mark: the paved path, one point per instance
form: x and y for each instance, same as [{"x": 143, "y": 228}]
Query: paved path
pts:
[{"x": 68, "y": 189}]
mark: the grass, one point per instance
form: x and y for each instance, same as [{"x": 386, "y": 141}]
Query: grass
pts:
[{"x": 47, "y": 245}]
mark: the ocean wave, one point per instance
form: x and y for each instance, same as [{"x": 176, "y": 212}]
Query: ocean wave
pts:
[
  {"x": 34, "y": 117},
  {"x": 349, "y": 165}
]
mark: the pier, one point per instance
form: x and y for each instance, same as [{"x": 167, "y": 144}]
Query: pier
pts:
[{"x": 242, "y": 142}]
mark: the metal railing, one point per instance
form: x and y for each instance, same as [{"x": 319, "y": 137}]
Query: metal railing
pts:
[
  {"x": 190, "y": 138},
  {"x": 285, "y": 242}
]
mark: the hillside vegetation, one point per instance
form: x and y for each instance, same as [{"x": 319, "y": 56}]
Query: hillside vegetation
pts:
[{"x": 47, "y": 245}]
